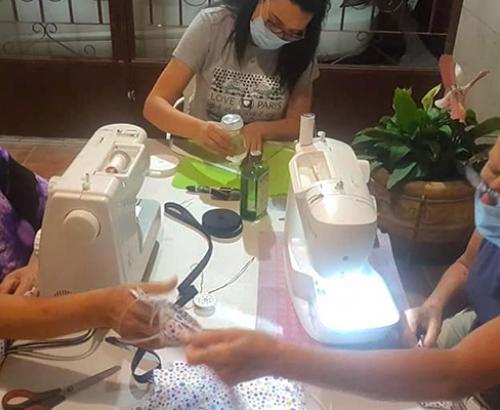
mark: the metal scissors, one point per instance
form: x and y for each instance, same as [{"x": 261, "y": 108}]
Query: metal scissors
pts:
[{"x": 13, "y": 400}]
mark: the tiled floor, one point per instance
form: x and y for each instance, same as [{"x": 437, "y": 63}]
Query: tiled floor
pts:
[
  {"x": 46, "y": 157},
  {"x": 49, "y": 157}
]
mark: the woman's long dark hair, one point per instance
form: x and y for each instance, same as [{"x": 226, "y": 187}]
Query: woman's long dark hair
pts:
[{"x": 294, "y": 57}]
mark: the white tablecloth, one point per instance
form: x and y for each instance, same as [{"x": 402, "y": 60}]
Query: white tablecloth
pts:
[{"x": 179, "y": 249}]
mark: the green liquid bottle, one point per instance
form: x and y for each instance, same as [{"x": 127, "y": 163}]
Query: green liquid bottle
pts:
[{"x": 254, "y": 187}]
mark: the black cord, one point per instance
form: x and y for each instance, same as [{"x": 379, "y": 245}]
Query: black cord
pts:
[
  {"x": 187, "y": 291},
  {"x": 51, "y": 344}
]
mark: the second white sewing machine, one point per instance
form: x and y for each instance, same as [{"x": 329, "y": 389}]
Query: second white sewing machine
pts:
[
  {"x": 330, "y": 227},
  {"x": 95, "y": 232}
]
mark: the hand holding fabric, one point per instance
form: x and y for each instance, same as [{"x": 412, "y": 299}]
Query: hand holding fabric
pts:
[
  {"x": 234, "y": 355},
  {"x": 136, "y": 319}
]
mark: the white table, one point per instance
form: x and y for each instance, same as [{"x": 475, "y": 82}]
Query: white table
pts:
[{"x": 179, "y": 249}]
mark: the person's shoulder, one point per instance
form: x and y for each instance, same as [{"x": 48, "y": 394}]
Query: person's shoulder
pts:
[{"x": 217, "y": 15}]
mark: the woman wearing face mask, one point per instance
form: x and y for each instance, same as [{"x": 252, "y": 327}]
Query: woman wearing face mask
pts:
[
  {"x": 460, "y": 355},
  {"x": 253, "y": 58}
]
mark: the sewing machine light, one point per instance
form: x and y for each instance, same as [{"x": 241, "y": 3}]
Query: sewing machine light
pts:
[{"x": 355, "y": 301}]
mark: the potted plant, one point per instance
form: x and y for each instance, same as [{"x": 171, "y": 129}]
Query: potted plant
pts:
[{"x": 416, "y": 156}]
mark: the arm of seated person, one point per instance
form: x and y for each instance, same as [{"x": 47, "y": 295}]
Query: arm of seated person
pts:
[
  {"x": 159, "y": 110},
  {"x": 110, "y": 308},
  {"x": 414, "y": 374},
  {"x": 428, "y": 317},
  {"x": 286, "y": 129}
]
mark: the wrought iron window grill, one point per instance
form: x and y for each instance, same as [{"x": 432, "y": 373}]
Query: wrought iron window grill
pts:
[
  {"x": 43, "y": 26},
  {"x": 383, "y": 34}
]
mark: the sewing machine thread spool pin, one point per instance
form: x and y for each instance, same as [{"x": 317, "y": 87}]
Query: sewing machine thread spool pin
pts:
[
  {"x": 322, "y": 136},
  {"x": 86, "y": 182}
]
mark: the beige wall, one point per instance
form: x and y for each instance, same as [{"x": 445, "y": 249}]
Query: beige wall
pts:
[{"x": 478, "y": 48}]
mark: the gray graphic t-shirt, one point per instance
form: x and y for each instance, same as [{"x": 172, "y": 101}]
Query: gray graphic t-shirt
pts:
[{"x": 223, "y": 86}]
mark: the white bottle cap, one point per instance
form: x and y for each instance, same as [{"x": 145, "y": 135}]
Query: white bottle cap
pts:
[
  {"x": 232, "y": 122},
  {"x": 307, "y": 125}
]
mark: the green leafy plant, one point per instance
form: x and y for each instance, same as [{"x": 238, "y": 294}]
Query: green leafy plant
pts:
[{"x": 421, "y": 143}]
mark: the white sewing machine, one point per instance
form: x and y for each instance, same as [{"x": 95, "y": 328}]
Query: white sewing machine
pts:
[
  {"x": 95, "y": 232},
  {"x": 331, "y": 225}
]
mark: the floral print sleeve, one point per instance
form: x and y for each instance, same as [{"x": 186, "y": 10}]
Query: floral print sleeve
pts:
[{"x": 23, "y": 196}]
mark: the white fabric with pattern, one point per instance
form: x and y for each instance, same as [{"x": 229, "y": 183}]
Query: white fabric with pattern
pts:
[{"x": 185, "y": 387}]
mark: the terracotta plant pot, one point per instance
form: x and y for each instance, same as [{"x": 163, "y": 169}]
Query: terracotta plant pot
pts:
[{"x": 434, "y": 217}]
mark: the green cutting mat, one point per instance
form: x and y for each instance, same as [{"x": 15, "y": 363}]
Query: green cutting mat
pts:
[{"x": 199, "y": 173}]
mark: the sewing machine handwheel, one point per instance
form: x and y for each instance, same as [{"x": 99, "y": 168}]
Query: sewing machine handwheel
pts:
[{"x": 82, "y": 226}]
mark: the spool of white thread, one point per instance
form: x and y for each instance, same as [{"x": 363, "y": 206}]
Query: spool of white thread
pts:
[
  {"x": 307, "y": 125},
  {"x": 118, "y": 163}
]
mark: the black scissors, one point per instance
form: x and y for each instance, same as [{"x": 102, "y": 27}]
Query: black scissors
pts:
[{"x": 13, "y": 400}]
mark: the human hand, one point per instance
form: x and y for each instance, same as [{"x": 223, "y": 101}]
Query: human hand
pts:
[
  {"x": 253, "y": 137},
  {"x": 234, "y": 355},
  {"x": 491, "y": 170},
  {"x": 135, "y": 319},
  {"x": 406, "y": 337},
  {"x": 215, "y": 138},
  {"x": 22, "y": 280},
  {"x": 428, "y": 319}
]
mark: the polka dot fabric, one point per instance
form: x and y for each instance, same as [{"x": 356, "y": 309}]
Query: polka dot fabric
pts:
[
  {"x": 184, "y": 387},
  {"x": 270, "y": 393},
  {"x": 175, "y": 323}
]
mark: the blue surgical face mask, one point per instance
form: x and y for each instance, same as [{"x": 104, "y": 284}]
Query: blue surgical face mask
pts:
[
  {"x": 263, "y": 37},
  {"x": 488, "y": 221}
]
